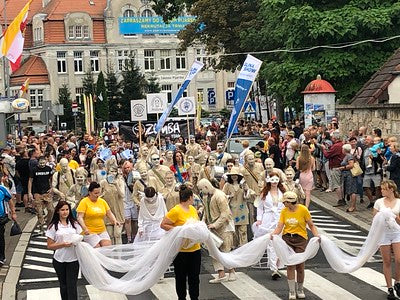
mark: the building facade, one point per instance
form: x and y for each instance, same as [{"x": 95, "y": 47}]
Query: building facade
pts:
[{"x": 66, "y": 39}]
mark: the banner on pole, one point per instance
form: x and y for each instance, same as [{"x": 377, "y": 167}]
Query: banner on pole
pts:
[
  {"x": 186, "y": 106},
  {"x": 243, "y": 84},
  {"x": 173, "y": 129},
  {"x": 157, "y": 103},
  {"x": 138, "y": 110},
  {"x": 196, "y": 67}
]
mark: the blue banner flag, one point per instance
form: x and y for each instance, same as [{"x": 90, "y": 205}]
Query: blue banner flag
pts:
[
  {"x": 196, "y": 67},
  {"x": 243, "y": 84}
]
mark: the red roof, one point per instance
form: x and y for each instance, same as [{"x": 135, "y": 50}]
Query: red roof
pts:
[
  {"x": 319, "y": 86},
  {"x": 33, "y": 68},
  {"x": 57, "y": 9},
  {"x": 13, "y": 7}
]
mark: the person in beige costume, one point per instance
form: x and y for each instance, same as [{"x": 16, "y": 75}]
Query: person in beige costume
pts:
[
  {"x": 192, "y": 148},
  {"x": 269, "y": 167},
  {"x": 63, "y": 180},
  {"x": 251, "y": 171},
  {"x": 140, "y": 184},
  {"x": 222, "y": 156},
  {"x": 193, "y": 165},
  {"x": 151, "y": 146},
  {"x": 201, "y": 158},
  {"x": 218, "y": 217},
  {"x": 169, "y": 192},
  {"x": 294, "y": 186},
  {"x": 209, "y": 171},
  {"x": 113, "y": 192},
  {"x": 169, "y": 161},
  {"x": 157, "y": 170},
  {"x": 79, "y": 190},
  {"x": 142, "y": 161}
]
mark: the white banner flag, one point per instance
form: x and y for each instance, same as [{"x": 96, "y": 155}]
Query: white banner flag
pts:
[
  {"x": 186, "y": 106},
  {"x": 138, "y": 110},
  {"x": 157, "y": 103}
]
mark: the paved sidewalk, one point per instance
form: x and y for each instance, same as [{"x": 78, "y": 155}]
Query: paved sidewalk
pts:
[{"x": 15, "y": 252}]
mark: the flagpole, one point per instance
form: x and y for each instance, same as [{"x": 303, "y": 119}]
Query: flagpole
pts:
[
  {"x": 140, "y": 134},
  {"x": 159, "y": 139},
  {"x": 188, "y": 127}
]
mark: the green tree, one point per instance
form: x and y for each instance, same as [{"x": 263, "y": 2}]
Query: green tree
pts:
[
  {"x": 64, "y": 98},
  {"x": 101, "y": 105},
  {"x": 114, "y": 96},
  {"x": 133, "y": 86},
  {"x": 152, "y": 85},
  {"x": 89, "y": 86},
  {"x": 255, "y": 26}
]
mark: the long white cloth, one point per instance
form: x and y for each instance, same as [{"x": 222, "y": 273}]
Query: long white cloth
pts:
[{"x": 144, "y": 264}]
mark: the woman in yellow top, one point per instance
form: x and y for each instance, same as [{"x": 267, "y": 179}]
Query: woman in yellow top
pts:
[
  {"x": 91, "y": 212},
  {"x": 188, "y": 261},
  {"x": 293, "y": 221}
]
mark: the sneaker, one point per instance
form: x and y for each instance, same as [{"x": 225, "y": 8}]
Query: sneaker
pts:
[
  {"x": 219, "y": 279},
  {"x": 369, "y": 166},
  {"x": 397, "y": 288},
  {"x": 328, "y": 190},
  {"x": 276, "y": 275},
  {"x": 232, "y": 276},
  {"x": 391, "y": 295},
  {"x": 2, "y": 262},
  {"x": 300, "y": 294},
  {"x": 292, "y": 295}
]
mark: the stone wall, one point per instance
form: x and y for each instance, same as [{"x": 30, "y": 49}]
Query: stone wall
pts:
[{"x": 383, "y": 116}]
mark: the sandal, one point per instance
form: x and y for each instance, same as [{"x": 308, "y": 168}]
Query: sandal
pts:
[{"x": 350, "y": 210}]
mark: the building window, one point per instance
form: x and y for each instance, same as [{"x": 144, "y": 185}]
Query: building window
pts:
[
  {"x": 78, "y": 31},
  {"x": 147, "y": 13},
  {"x": 78, "y": 61},
  {"x": 145, "y": 2},
  {"x": 94, "y": 61},
  {"x": 86, "y": 32},
  {"x": 149, "y": 60},
  {"x": 165, "y": 60},
  {"x": 78, "y": 95},
  {"x": 122, "y": 58},
  {"x": 231, "y": 84},
  {"x": 61, "y": 62},
  {"x": 36, "y": 96},
  {"x": 185, "y": 93},
  {"x": 180, "y": 61},
  {"x": 71, "y": 32},
  {"x": 128, "y": 13},
  {"x": 200, "y": 95},
  {"x": 167, "y": 88},
  {"x": 201, "y": 55}
]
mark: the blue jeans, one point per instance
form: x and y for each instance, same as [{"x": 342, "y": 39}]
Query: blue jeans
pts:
[{"x": 360, "y": 189}]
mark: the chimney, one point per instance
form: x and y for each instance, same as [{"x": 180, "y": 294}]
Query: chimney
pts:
[{"x": 45, "y": 2}]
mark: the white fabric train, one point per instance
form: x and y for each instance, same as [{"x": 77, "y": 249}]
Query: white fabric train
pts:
[{"x": 144, "y": 263}]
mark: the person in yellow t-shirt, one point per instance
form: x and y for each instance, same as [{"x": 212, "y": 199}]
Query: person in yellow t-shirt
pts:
[
  {"x": 293, "y": 221},
  {"x": 188, "y": 261},
  {"x": 91, "y": 212}
]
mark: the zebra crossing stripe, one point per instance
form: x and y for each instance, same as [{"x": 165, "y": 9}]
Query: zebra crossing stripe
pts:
[
  {"x": 40, "y": 259},
  {"x": 96, "y": 294},
  {"x": 39, "y": 294},
  {"x": 371, "y": 277},
  {"x": 39, "y": 268},
  {"x": 330, "y": 225},
  {"x": 165, "y": 289}
]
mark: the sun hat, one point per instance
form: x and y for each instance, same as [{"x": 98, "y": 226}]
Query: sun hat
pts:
[{"x": 290, "y": 197}]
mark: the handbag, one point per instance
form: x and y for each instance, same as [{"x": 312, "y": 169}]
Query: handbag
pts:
[
  {"x": 356, "y": 169},
  {"x": 4, "y": 220},
  {"x": 15, "y": 229}
]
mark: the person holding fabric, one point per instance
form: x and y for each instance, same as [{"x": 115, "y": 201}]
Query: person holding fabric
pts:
[
  {"x": 188, "y": 261},
  {"x": 91, "y": 213},
  {"x": 268, "y": 212},
  {"x": 65, "y": 262},
  {"x": 293, "y": 221},
  {"x": 391, "y": 239}
]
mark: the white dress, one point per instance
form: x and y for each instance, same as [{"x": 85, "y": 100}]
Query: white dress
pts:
[{"x": 150, "y": 217}]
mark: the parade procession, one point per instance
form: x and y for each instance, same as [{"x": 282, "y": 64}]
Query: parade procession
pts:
[{"x": 199, "y": 150}]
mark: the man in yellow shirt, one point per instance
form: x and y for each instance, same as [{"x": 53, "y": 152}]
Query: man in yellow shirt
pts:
[{"x": 188, "y": 261}]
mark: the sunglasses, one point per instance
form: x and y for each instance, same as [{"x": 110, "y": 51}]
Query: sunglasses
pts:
[{"x": 155, "y": 158}]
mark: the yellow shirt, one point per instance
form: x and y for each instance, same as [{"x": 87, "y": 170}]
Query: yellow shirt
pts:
[
  {"x": 72, "y": 165},
  {"x": 178, "y": 216},
  {"x": 296, "y": 221},
  {"x": 94, "y": 214}
]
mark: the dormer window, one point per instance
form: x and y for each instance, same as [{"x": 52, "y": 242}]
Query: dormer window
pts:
[
  {"x": 147, "y": 13},
  {"x": 129, "y": 13},
  {"x": 78, "y": 32}
]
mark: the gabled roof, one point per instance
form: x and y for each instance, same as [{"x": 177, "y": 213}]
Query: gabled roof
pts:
[
  {"x": 13, "y": 7},
  {"x": 57, "y": 9},
  {"x": 33, "y": 68},
  {"x": 377, "y": 85}
]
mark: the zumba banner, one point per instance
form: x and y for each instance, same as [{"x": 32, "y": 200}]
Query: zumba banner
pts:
[{"x": 172, "y": 129}]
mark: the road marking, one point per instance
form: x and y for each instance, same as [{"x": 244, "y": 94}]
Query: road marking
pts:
[
  {"x": 96, "y": 294},
  {"x": 331, "y": 225},
  {"x": 41, "y": 259},
  {"x": 353, "y": 242},
  {"x": 371, "y": 277},
  {"x": 39, "y": 294},
  {"x": 247, "y": 288},
  {"x": 38, "y": 268},
  {"x": 362, "y": 237},
  {"x": 342, "y": 230},
  {"x": 315, "y": 211},
  {"x": 38, "y": 243},
  {"x": 38, "y": 280},
  {"x": 165, "y": 289},
  {"x": 322, "y": 217},
  {"x": 38, "y": 250}
]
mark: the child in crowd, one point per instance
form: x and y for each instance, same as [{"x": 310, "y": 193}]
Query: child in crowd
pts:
[{"x": 378, "y": 145}]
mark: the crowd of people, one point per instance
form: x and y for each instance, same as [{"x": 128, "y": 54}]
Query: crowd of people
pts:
[{"x": 114, "y": 191}]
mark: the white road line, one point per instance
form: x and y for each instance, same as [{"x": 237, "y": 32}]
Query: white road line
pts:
[
  {"x": 165, "y": 289},
  {"x": 322, "y": 217},
  {"x": 371, "y": 277},
  {"x": 331, "y": 225},
  {"x": 38, "y": 268},
  {"x": 315, "y": 211},
  {"x": 30, "y": 280},
  {"x": 353, "y": 242},
  {"x": 38, "y": 243},
  {"x": 95, "y": 294},
  {"x": 341, "y": 230},
  {"x": 39, "y": 294},
  {"x": 361, "y": 237},
  {"x": 247, "y": 288},
  {"x": 43, "y": 251},
  {"x": 41, "y": 259}
]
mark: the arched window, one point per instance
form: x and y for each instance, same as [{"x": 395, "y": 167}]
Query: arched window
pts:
[
  {"x": 147, "y": 13},
  {"x": 129, "y": 13}
]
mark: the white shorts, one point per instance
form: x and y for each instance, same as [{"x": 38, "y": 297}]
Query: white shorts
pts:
[
  {"x": 390, "y": 238},
  {"x": 131, "y": 213},
  {"x": 94, "y": 239}
]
